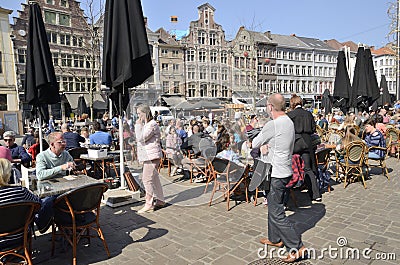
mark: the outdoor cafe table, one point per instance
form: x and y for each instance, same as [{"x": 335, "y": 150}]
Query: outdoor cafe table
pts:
[
  {"x": 57, "y": 186},
  {"x": 100, "y": 162}
]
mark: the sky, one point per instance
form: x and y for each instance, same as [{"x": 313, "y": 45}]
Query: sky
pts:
[{"x": 361, "y": 21}]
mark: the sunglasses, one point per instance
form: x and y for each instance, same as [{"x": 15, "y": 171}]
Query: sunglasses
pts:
[{"x": 8, "y": 140}]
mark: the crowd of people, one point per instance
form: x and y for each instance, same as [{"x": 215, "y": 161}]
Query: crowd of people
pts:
[{"x": 272, "y": 138}]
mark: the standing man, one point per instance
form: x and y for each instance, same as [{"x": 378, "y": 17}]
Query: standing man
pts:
[{"x": 278, "y": 136}]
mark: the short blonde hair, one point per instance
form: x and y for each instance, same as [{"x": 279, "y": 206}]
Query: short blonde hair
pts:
[
  {"x": 54, "y": 136},
  {"x": 5, "y": 171}
]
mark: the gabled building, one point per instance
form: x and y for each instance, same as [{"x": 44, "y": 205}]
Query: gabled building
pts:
[
  {"x": 75, "y": 48},
  {"x": 207, "y": 55}
]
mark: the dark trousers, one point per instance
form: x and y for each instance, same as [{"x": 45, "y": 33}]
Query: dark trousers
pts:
[
  {"x": 279, "y": 226},
  {"x": 309, "y": 177}
]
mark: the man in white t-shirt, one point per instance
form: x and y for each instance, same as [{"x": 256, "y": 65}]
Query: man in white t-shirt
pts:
[{"x": 277, "y": 136}]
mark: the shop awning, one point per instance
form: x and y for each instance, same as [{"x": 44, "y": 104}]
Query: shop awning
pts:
[{"x": 98, "y": 101}]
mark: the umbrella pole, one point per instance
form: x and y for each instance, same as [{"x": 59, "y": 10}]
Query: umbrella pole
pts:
[
  {"x": 40, "y": 132},
  {"x": 121, "y": 144}
]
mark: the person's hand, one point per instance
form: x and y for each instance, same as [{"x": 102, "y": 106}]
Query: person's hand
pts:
[
  {"x": 68, "y": 166},
  {"x": 264, "y": 149}
]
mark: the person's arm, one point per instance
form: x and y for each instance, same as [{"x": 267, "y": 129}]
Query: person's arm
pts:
[
  {"x": 81, "y": 139},
  {"x": 264, "y": 136},
  {"x": 23, "y": 156}
]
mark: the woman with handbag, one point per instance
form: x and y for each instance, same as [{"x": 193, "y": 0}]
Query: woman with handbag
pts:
[
  {"x": 304, "y": 125},
  {"x": 149, "y": 151}
]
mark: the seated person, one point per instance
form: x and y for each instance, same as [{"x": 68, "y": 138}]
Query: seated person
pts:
[
  {"x": 100, "y": 137},
  {"x": 55, "y": 161},
  {"x": 29, "y": 138},
  {"x": 18, "y": 153},
  {"x": 227, "y": 152},
  {"x": 73, "y": 139},
  {"x": 173, "y": 145},
  {"x": 34, "y": 150},
  {"x": 374, "y": 137},
  {"x": 192, "y": 145},
  {"x": 349, "y": 136},
  {"x": 12, "y": 193}
]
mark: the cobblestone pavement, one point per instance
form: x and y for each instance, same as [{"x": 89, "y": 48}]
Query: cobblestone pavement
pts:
[{"x": 350, "y": 220}]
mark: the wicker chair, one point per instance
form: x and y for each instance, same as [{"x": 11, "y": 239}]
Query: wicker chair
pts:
[
  {"x": 76, "y": 213},
  {"x": 378, "y": 162},
  {"x": 17, "y": 218},
  {"x": 352, "y": 163}
]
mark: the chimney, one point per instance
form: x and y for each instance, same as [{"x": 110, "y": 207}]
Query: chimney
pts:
[
  {"x": 268, "y": 34},
  {"x": 293, "y": 35},
  {"x": 145, "y": 21}
]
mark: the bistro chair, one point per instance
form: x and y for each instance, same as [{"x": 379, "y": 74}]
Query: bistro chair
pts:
[
  {"x": 227, "y": 178},
  {"x": 16, "y": 219},
  {"x": 378, "y": 162},
  {"x": 76, "y": 155},
  {"x": 352, "y": 163},
  {"x": 76, "y": 213},
  {"x": 393, "y": 146}
]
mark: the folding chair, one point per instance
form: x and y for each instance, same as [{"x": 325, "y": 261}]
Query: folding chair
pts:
[
  {"x": 227, "y": 178},
  {"x": 76, "y": 213},
  {"x": 16, "y": 220}
]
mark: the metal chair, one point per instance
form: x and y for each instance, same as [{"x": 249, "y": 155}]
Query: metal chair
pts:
[
  {"x": 76, "y": 213},
  {"x": 227, "y": 178},
  {"x": 16, "y": 220}
]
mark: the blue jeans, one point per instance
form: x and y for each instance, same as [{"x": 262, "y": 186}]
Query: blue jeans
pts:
[
  {"x": 46, "y": 213},
  {"x": 373, "y": 155}
]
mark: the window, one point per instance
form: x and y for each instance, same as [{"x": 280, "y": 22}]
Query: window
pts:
[
  {"x": 279, "y": 68},
  {"x": 164, "y": 67},
  {"x": 164, "y": 52},
  {"x": 62, "y": 39},
  {"x": 50, "y": 2},
  {"x": 203, "y": 73},
  {"x": 224, "y": 91},
  {"x": 176, "y": 86},
  {"x": 175, "y": 67},
  {"x": 53, "y": 37},
  {"x": 191, "y": 90},
  {"x": 212, "y": 39},
  {"x": 50, "y": 17},
  {"x": 224, "y": 74},
  {"x": 202, "y": 56},
  {"x": 64, "y": 3},
  {"x": 214, "y": 91},
  {"x": 190, "y": 55},
  {"x": 175, "y": 53},
  {"x": 165, "y": 86},
  {"x": 224, "y": 57},
  {"x": 21, "y": 55},
  {"x": 80, "y": 83},
  {"x": 202, "y": 37},
  {"x": 3, "y": 101},
  {"x": 214, "y": 74},
  {"x": 213, "y": 57},
  {"x": 68, "y": 40},
  {"x": 64, "y": 20},
  {"x": 291, "y": 55},
  {"x": 203, "y": 90},
  {"x": 191, "y": 72},
  {"x": 55, "y": 58}
]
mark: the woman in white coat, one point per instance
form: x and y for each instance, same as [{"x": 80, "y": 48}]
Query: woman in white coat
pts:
[{"x": 149, "y": 153}]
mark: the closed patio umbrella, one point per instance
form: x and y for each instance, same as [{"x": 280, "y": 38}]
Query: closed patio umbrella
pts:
[
  {"x": 359, "y": 91},
  {"x": 41, "y": 87},
  {"x": 372, "y": 83},
  {"x": 82, "y": 106},
  {"x": 384, "y": 96},
  {"x": 326, "y": 101},
  {"x": 126, "y": 55},
  {"x": 342, "y": 87}
]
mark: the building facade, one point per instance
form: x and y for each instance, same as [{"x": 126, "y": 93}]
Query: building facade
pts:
[
  {"x": 74, "y": 44},
  {"x": 207, "y": 54},
  {"x": 8, "y": 89},
  {"x": 385, "y": 64}
]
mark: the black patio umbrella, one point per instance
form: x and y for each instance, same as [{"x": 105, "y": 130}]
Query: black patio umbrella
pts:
[
  {"x": 326, "y": 101},
  {"x": 126, "y": 54},
  {"x": 384, "y": 96},
  {"x": 342, "y": 87},
  {"x": 359, "y": 91},
  {"x": 82, "y": 106},
  {"x": 372, "y": 84},
  {"x": 41, "y": 87}
]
